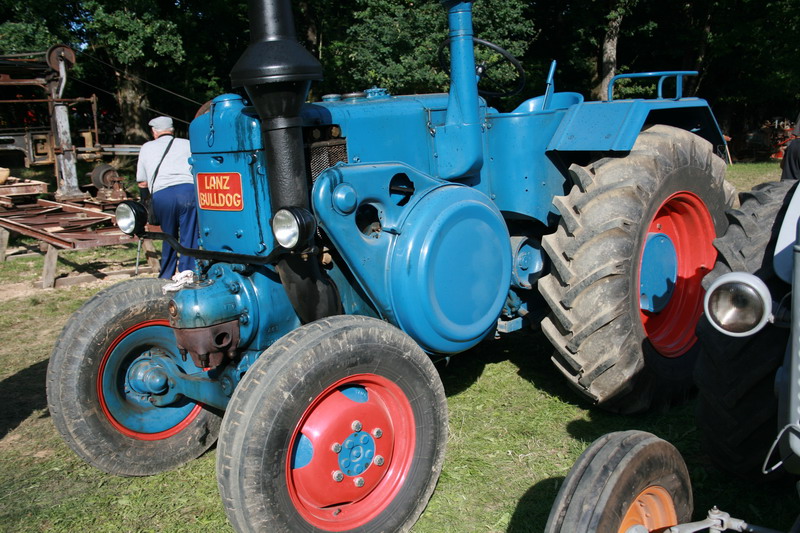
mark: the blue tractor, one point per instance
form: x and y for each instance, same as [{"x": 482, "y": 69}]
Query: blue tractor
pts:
[{"x": 347, "y": 243}]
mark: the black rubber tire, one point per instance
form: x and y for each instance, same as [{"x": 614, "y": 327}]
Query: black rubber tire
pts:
[
  {"x": 608, "y": 478},
  {"x": 595, "y": 322},
  {"x": 737, "y": 407},
  {"x": 283, "y": 388},
  {"x": 72, "y": 386}
]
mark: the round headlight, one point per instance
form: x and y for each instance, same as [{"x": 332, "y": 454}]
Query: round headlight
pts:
[
  {"x": 292, "y": 226},
  {"x": 131, "y": 217},
  {"x": 738, "y": 304}
]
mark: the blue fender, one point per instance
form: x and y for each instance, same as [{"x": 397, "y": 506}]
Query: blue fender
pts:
[{"x": 614, "y": 126}]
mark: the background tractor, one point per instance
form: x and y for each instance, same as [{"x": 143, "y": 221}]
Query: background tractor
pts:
[
  {"x": 748, "y": 377},
  {"x": 348, "y": 243}
]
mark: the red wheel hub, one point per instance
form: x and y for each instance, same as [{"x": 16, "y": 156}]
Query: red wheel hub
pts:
[
  {"x": 374, "y": 428},
  {"x": 685, "y": 219}
]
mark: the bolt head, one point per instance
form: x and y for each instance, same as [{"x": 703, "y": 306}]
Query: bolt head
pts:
[
  {"x": 359, "y": 481},
  {"x": 377, "y": 433},
  {"x": 378, "y": 460},
  {"x": 356, "y": 425},
  {"x": 338, "y": 476},
  {"x": 336, "y": 448}
]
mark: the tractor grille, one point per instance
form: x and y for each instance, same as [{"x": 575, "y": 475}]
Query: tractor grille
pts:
[{"x": 324, "y": 149}]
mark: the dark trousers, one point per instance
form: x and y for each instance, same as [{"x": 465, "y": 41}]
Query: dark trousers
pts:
[
  {"x": 791, "y": 161},
  {"x": 176, "y": 207}
]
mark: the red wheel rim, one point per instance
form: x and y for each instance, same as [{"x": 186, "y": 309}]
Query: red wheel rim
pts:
[
  {"x": 333, "y": 504},
  {"x": 653, "y": 508},
  {"x": 101, "y": 395},
  {"x": 685, "y": 219}
]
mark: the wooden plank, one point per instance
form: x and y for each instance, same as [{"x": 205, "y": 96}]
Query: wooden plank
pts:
[
  {"x": 4, "y": 234},
  {"x": 151, "y": 254},
  {"x": 50, "y": 264},
  {"x": 69, "y": 281},
  {"x": 72, "y": 208}
]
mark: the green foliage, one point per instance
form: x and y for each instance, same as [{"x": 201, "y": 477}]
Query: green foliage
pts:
[
  {"x": 17, "y": 37},
  {"x": 394, "y": 43},
  {"x": 132, "y": 37},
  {"x": 743, "y": 49}
]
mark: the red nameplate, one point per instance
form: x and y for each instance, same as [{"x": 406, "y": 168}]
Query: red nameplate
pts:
[{"x": 220, "y": 191}]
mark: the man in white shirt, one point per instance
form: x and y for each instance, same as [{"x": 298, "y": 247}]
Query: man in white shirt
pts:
[{"x": 172, "y": 190}]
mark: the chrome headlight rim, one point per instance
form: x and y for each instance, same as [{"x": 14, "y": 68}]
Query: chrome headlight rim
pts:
[
  {"x": 738, "y": 280},
  {"x": 292, "y": 227},
  {"x": 131, "y": 217}
]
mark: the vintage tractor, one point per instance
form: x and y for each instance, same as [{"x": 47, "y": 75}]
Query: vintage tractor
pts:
[
  {"x": 347, "y": 243},
  {"x": 749, "y": 382}
]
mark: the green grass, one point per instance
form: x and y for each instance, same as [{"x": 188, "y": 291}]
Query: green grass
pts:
[
  {"x": 28, "y": 267},
  {"x": 515, "y": 430},
  {"x": 745, "y": 176}
]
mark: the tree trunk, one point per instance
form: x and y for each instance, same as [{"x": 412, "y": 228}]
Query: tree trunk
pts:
[
  {"x": 133, "y": 104},
  {"x": 608, "y": 55}
]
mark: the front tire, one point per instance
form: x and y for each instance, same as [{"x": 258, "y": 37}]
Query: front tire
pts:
[
  {"x": 339, "y": 426},
  {"x": 632, "y": 246},
  {"x": 91, "y": 402},
  {"x": 737, "y": 406},
  {"x": 624, "y": 479}
]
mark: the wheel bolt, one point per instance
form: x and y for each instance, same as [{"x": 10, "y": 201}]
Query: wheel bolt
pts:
[
  {"x": 336, "y": 447},
  {"x": 359, "y": 481},
  {"x": 356, "y": 425},
  {"x": 378, "y": 460},
  {"x": 377, "y": 433},
  {"x": 338, "y": 476}
]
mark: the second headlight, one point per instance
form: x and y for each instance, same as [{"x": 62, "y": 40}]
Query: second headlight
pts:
[{"x": 738, "y": 304}]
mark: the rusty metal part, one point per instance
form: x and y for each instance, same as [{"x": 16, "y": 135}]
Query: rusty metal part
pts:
[
  {"x": 60, "y": 52},
  {"x": 16, "y": 190},
  {"x": 64, "y": 225},
  {"x": 209, "y": 346}
]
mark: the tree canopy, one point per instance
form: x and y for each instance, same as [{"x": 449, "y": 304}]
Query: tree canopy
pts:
[{"x": 744, "y": 50}]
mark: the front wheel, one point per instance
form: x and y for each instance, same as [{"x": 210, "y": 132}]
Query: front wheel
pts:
[
  {"x": 624, "y": 479},
  {"x": 632, "y": 246},
  {"x": 95, "y": 389},
  {"x": 339, "y": 426}
]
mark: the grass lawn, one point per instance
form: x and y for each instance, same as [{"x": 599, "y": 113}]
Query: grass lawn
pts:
[{"x": 515, "y": 430}]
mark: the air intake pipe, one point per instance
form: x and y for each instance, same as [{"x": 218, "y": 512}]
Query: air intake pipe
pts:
[{"x": 276, "y": 72}]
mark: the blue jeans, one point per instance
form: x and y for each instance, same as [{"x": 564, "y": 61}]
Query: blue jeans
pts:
[{"x": 176, "y": 207}]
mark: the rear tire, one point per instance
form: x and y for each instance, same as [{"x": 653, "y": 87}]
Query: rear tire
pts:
[
  {"x": 339, "y": 426},
  {"x": 737, "y": 407},
  {"x": 623, "y": 479},
  {"x": 660, "y": 206}
]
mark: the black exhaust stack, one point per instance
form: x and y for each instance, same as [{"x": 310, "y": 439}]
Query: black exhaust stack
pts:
[{"x": 276, "y": 72}]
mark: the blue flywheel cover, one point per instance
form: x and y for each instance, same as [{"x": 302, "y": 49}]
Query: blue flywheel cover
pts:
[{"x": 450, "y": 269}]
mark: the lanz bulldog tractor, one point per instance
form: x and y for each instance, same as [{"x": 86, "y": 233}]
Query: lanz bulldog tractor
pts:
[
  {"x": 347, "y": 243},
  {"x": 749, "y": 383}
]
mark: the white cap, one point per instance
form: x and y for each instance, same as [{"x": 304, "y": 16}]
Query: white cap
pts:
[{"x": 161, "y": 124}]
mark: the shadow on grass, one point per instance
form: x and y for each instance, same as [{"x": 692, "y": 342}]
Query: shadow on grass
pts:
[
  {"x": 21, "y": 395},
  {"x": 528, "y": 350},
  {"x": 530, "y": 516}
]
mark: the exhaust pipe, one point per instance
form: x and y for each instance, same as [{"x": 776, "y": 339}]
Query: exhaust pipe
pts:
[{"x": 276, "y": 72}]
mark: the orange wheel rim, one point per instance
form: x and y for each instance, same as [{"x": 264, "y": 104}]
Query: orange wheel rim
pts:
[{"x": 653, "y": 508}]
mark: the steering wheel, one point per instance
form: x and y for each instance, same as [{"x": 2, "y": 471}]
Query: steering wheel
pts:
[{"x": 497, "y": 88}]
